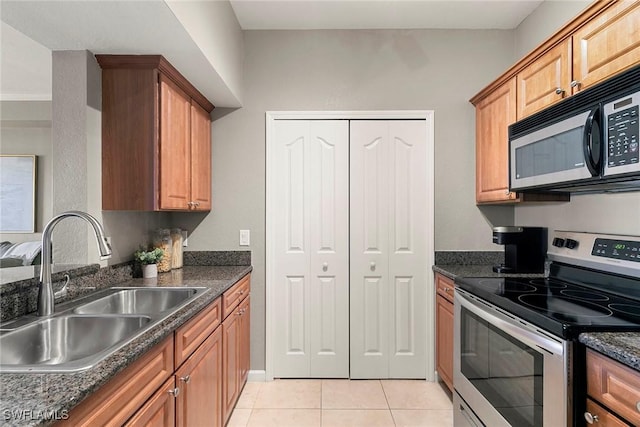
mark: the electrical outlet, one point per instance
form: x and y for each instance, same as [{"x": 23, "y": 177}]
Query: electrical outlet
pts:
[
  {"x": 185, "y": 238},
  {"x": 245, "y": 237}
]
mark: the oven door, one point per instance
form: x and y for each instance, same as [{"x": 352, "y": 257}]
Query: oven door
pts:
[{"x": 507, "y": 371}]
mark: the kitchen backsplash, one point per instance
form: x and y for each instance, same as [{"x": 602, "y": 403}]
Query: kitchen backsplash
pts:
[{"x": 468, "y": 258}]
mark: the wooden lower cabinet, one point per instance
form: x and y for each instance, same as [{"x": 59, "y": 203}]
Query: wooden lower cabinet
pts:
[
  {"x": 444, "y": 329},
  {"x": 614, "y": 386},
  {"x": 160, "y": 410},
  {"x": 601, "y": 417},
  {"x": 200, "y": 383},
  {"x": 120, "y": 398},
  {"x": 236, "y": 353}
]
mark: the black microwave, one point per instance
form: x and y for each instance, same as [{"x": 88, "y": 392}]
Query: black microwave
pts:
[{"x": 585, "y": 143}]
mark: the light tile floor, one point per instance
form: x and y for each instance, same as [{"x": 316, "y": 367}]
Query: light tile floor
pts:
[{"x": 343, "y": 403}]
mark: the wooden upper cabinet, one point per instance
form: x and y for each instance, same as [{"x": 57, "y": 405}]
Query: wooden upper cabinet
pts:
[
  {"x": 493, "y": 116},
  {"x": 175, "y": 144},
  {"x": 607, "y": 44},
  {"x": 156, "y": 137},
  {"x": 200, "y": 158},
  {"x": 545, "y": 81}
]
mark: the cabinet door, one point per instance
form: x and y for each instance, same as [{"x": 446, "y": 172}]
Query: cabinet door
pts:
[
  {"x": 230, "y": 363},
  {"x": 159, "y": 411},
  {"x": 494, "y": 114},
  {"x": 546, "y": 81},
  {"x": 245, "y": 338},
  {"x": 175, "y": 143},
  {"x": 444, "y": 340},
  {"x": 200, "y": 383},
  {"x": 607, "y": 44},
  {"x": 200, "y": 158}
]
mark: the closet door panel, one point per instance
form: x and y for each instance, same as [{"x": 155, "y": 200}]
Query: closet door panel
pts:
[
  {"x": 311, "y": 239},
  {"x": 291, "y": 249},
  {"x": 407, "y": 240},
  {"x": 329, "y": 234},
  {"x": 369, "y": 189}
]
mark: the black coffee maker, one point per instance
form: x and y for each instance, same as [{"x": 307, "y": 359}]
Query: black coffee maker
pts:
[{"x": 524, "y": 249}]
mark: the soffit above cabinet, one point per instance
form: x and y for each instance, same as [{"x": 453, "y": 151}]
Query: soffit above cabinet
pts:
[{"x": 121, "y": 27}]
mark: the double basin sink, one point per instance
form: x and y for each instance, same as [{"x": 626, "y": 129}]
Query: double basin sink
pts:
[{"x": 82, "y": 334}]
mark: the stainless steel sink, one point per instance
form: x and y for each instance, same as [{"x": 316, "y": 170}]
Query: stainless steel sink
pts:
[
  {"x": 73, "y": 341},
  {"x": 84, "y": 332},
  {"x": 137, "y": 301}
]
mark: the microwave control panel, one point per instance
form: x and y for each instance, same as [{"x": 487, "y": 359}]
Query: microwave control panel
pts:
[{"x": 623, "y": 132}]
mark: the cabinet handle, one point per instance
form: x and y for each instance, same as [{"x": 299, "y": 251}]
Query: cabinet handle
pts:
[
  {"x": 197, "y": 204},
  {"x": 638, "y": 406},
  {"x": 507, "y": 192},
  {"x": 590, "y": 418},
  {"x": 325, "y": 266},
  {"x": 186, "y": 379},
  {"x": 447, "y": 289},
  {"x": 190, "y": 204},
  {"x": 575, "y": 83},
  {"x": 559, "y": 91},
  {"x": 372, "y": 266},
  {"x": 174, "y": 391}
]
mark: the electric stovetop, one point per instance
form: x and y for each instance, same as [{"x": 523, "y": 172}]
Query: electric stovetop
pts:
[
  {"x": 593, "y": 285},
  {"x": 565, "y": 309}
]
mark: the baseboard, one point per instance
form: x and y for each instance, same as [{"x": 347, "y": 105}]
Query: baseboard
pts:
[{"x": 257, "y": 376}]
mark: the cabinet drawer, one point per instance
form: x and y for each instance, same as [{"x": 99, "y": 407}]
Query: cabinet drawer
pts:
[
  {"x": 445, "y": 286},
  {"x": 614, "y": 385},
  {"x": 193, "y": 333},
  {"x": 120, "y": 398},
  {"x": 602, "y": 417},
  {"x": 232, "y": 297}
]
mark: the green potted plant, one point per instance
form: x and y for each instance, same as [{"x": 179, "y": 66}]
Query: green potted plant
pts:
[{"x": 148, "y": 260}]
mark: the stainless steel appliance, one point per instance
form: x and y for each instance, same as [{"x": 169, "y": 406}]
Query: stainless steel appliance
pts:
[
  {"x": 516, "y": 357},
  {"x": 524, "y": 249},
  {"x": 585, "y": 143}
]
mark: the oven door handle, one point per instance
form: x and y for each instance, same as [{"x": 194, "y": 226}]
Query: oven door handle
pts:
[{"x": 520, "y": 330}]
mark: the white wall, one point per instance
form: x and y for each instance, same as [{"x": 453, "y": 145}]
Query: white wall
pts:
[
  {"x": 352, "y": 70},
  {"x": 605, "y": 213}
]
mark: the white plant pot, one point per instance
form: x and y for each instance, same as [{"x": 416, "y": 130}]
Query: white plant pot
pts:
[{"x": 149, "y": 270}]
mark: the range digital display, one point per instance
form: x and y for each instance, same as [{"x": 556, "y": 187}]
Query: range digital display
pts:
[{"x": 617, "y": 249}]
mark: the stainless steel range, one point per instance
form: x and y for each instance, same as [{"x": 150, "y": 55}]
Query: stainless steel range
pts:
[{"x": 516, "y": 357}]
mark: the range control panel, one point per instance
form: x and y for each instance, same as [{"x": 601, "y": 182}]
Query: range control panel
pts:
[
  {"x": 612, "y": 253},
  {"x": 617, "y": 249}
]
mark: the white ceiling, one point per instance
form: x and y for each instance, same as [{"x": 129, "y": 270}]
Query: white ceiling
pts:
[
  {"x": 381, "y": 14},
  {"x": 35, "y": 28}
]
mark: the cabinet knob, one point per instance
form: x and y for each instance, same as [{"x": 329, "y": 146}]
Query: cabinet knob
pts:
[
  {"x": 575, "y": 83},
  {"x": 447, "y": 289},
  {"x": 325, "y": 266},
  {"x": 638, "y": 406},
  {"x": 590, "y": 418},
  {"x": 559, "y": 91},
  {"x": 186, "y": 379},
  {"x": 372, "y": 266},
  {"x": 196, "y": 204},
  {"x": 190, "y": 204},
  {"x": 174, "y": 391}
]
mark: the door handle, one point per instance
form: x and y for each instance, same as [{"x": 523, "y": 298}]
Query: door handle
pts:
[
  {"x": 325, "y": 266},
  {"x": 372, "y": 266}
]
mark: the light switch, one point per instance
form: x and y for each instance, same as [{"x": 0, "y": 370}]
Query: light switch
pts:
[{"x": 245, "y": 237}]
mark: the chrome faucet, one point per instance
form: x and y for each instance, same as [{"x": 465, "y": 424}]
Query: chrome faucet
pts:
[{"x": 46, "y": 299}]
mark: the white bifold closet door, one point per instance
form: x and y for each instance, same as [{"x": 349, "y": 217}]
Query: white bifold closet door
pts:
[
  {"x": 388, "y": 229},
  {"x": 310, "y": 187}
]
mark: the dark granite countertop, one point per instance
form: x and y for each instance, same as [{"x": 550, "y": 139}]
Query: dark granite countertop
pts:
[
  {"x": 56, "y": 393},
  {"x": 621, "y": 346},
  {"x": 454, "y": 271}
]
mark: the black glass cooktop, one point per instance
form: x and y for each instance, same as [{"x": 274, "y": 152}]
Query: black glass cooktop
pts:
[{"x": 562, "y": 308}]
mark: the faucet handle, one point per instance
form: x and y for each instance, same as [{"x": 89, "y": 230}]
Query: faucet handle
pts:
[{"x": 63, "y": 292}]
